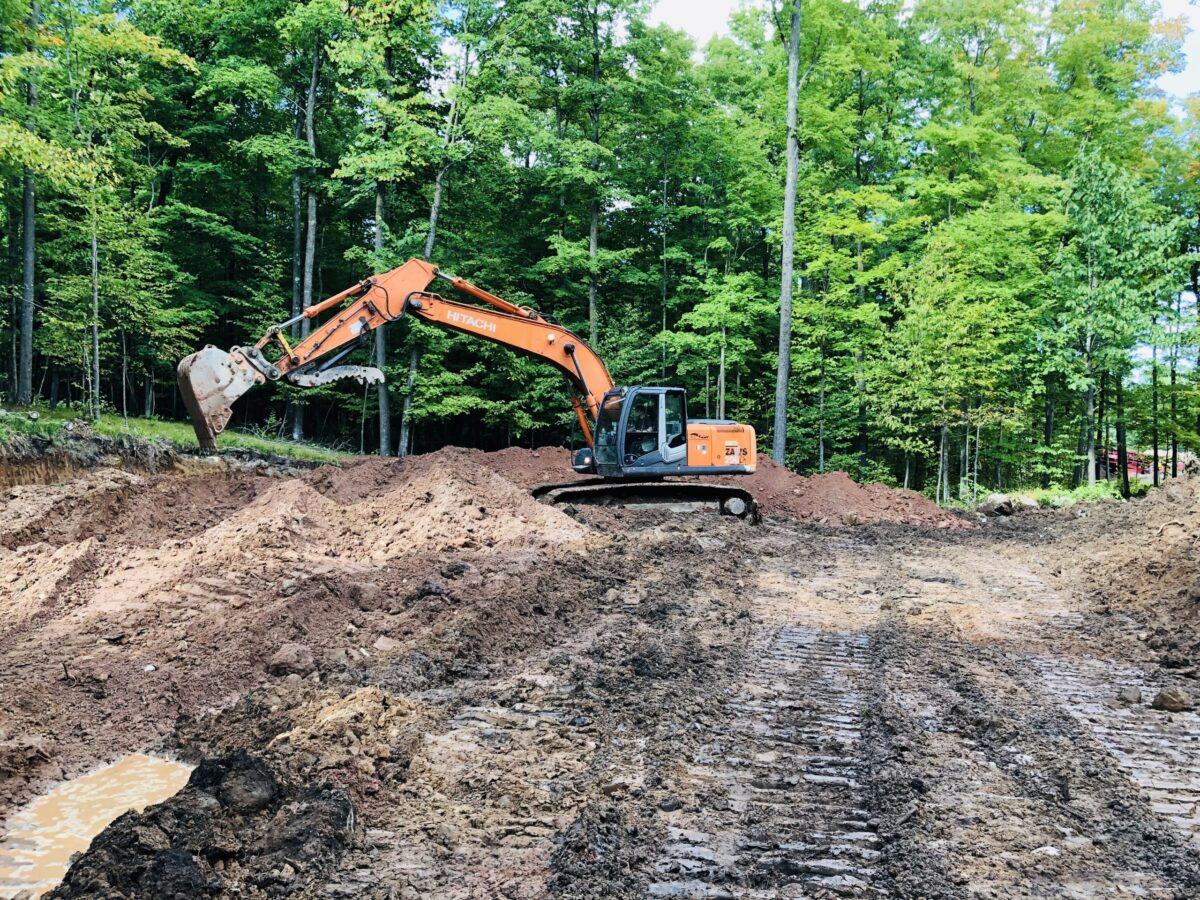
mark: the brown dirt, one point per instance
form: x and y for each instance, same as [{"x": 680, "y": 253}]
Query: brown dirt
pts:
[
  {"x": 835, "y": 499},
  {"x": 495, "y": 699},
  {"x": 829, "y": 499}
]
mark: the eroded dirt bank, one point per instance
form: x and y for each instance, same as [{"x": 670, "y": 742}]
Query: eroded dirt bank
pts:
[{"x": 411, "y": 680}]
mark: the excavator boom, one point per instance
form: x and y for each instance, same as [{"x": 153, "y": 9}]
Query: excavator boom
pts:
[
  {"x": 212, "y": 379},
  {"x": 631, "y": 432}
]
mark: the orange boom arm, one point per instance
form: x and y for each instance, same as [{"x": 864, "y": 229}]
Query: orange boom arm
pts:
[{"x": 385, "y": 298}]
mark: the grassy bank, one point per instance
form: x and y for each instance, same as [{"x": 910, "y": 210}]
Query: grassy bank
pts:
[{"x": 55, "y": 422}]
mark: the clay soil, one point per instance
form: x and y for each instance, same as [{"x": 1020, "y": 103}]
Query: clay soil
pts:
[{"x": 410, "y": 679}]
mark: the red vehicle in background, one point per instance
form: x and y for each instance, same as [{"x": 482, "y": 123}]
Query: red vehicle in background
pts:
[{"x": 1139, "y": 465}]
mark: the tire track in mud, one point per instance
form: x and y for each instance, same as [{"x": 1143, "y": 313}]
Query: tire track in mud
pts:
[
  {"x": 1012, "y": 791},
  {"x": 778, "y": 785},
  {"x": 1158, "y": 751},
  {"x": 783, "y": 787}
]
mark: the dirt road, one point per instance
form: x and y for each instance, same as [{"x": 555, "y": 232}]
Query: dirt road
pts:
[{"x": 411, "y": 680}]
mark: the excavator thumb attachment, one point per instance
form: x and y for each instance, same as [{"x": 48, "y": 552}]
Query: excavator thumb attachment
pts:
[{"x": 210, "y": 380}]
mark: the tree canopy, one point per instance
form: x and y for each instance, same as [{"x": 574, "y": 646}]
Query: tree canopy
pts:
[{"x": 996, "y": 216}]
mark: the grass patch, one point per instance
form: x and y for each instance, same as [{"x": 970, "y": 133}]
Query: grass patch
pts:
[
  {"x": 1103, "y": 490},
  {"x": 52, "y": 421}
]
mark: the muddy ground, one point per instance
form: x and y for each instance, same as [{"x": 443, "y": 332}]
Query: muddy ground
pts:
[{"x": 412, "y": 680}]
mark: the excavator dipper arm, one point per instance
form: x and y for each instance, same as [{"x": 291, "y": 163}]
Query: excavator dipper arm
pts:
[{"x": 211, "y": 379}]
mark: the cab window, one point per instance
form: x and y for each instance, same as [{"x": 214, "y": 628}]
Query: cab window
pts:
[
  {"x": 641, "y": 434},
  {"x": 606, "y": 429},
  {"x": 676, "y": 418}
]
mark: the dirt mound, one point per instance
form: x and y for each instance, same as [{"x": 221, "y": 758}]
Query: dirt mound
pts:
[
  {"x": 530, "y": 468},
  {"x": 361, "y": 729},
  {"x": 1142, "y": 559},
  {"x": 830, "y": 499},
  {"x": 238, "y": 826},
  {"x": 452, "y": 499},
  {"x": 835, "y": 499}
]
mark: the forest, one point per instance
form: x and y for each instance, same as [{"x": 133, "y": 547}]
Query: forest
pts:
[{"x": 944, "y": 244}]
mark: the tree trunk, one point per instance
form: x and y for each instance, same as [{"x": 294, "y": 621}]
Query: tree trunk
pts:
[
  {"x": 1081, "y": 451},
  {"x": 95, "y": 322},
  {"x": 297, "y": 240},
  {"x": 663, "y": 333},
  {"x": 1048, "y": 429},
  {"x": 124, "y": 379},
  {"x": 385, "y": 403},
  {"x": 999, "y": 457},
  {"x": 860, "y": 378},
  {"x": 1174, "y": 376},
  {"x": 721, "y": 379},
  {"x": 297, "y": 259},
  {"x": 594, "y": 227},
  {"x": 405, "y": 445},
  {"x": 861, "y": 384},
  {"x": 148, "y": 397},
  {"x": 943, "y": 488},
  {"x": 975, "y": 468},
  {"x": 435, "y": 210},
  {"x": 593, "y": 250},
  {"x": 28, "y": 251},
  {"x": 707, "y": 391},
  {"x": 1122, "y": 452},
  {"x": 783, "y": 375},
  {"x": 821, "y": 415},
  {"x": 1154, "y": 407},
  {"x": 13, "y": 215},
  {"x": 310, "y": 238},
  {"x": 964, "y": 455},
  {"x": 1089, "y": 420}
]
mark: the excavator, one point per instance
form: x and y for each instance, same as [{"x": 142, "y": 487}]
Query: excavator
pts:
[{"x": 637, "y": 438}]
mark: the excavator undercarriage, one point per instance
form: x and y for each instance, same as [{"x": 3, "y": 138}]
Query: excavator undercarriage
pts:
[
  {"x": 639, "y": 438},
  {"x": 676, "y": 496}
]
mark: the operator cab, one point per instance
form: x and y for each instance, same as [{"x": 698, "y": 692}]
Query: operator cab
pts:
[{"x": 645, "y": 431}]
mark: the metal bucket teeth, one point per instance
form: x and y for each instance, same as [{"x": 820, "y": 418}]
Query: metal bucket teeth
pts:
[{"x": 210, "y": 380}]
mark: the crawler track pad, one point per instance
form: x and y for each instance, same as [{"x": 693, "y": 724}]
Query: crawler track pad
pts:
[{"x": 682, "y": 496}]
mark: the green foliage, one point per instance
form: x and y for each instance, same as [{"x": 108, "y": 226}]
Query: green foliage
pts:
[
  {"x": 52, "y": 423},
  {"x": 998, "y": 214},
  {"x": 1099, "y": 492}
]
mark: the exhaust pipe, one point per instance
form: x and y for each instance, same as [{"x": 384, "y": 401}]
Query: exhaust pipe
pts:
[{"x": 210, "y": 380}]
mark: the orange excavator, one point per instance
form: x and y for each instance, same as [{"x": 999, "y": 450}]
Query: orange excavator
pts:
[{"x": 637, "y": 437}]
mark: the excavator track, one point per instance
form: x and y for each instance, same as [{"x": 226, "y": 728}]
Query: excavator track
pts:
[{"x": 677, "y": 496}]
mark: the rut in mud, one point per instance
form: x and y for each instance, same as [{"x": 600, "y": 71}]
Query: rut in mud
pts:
[{"x": 397, "y": 683}]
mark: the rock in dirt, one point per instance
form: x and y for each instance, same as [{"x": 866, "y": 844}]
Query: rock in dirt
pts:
[
  {"x": 242, "y": 783},
  {"x": 292, "y": 659},
  {"x": 997, "y": 505},
  {"x": 1129, "y": 695},
  {"x": 1172, "y": 699},
  {"x": 20, "y": 752}
]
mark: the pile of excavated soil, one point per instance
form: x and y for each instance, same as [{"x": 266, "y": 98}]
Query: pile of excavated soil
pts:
[
  {"x": 1142, "y": 560},
  {"x": 830, "y": 499},
  {"x": 131, "y": 597},
  {"x": 448, "y": 499},
  {"x": 835, "y": 499}
]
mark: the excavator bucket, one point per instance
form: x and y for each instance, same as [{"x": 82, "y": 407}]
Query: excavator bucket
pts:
[{"x": 210, "y": 380}]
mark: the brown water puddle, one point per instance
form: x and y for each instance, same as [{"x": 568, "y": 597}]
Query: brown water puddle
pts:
[{"x": 36, "y": 851}]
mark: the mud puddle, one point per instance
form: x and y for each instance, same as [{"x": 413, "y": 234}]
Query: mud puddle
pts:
[{"x": 41, "y": 838}]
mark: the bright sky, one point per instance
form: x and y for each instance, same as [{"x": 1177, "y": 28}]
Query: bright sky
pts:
[{"x": 704, "y": 18}]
